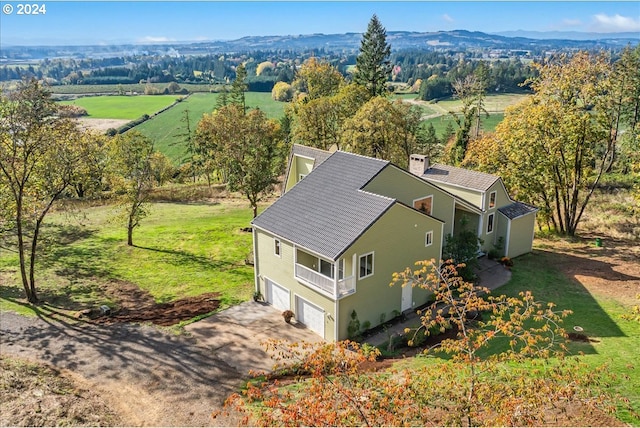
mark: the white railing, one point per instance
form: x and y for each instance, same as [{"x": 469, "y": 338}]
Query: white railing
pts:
[{"x": 324, "y": 283}]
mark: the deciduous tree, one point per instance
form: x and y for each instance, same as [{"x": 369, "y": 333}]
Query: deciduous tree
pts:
[
  {"x": 41, "y": 158},
  {"x": 373, "y": 67},
  {"x": 132, "y": 176},
  {"x": 317, "y": 78},
  {"x": 559, "y": 142},
  {"x": 246, "y": 146}
]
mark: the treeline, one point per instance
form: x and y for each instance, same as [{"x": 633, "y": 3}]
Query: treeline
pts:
[{"x": 266, "y": 68}]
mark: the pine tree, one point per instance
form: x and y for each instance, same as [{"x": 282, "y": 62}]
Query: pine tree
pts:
[
  {"x": 238, "y": 88},
  {"x": 372, "y": 65}
]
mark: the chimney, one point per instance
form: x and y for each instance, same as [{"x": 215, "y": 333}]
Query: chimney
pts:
[{"x": 418, "y": 164}]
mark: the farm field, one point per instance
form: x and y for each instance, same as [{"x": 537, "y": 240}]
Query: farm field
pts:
[
  {"x": 121, "y": 106},
  {"x": 166, "y": 129},
  {"x": 128, "y": 87}
]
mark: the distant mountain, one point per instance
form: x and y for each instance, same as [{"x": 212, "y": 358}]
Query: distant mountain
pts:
[
  {"x": 349, "y": 42},
  {"x": 568, "y": 35}
]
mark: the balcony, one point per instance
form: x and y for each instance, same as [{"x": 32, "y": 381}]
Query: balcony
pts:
[{"x": 329, "y": 286}]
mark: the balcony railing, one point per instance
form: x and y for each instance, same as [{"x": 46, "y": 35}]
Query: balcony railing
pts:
[{"x": 324, "y": 283}]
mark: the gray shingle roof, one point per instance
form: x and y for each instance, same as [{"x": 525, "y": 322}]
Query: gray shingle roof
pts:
[
  {"x": 517, "y": 209},
  {"x": 310, "y": 152},
  {"x": 326, "y": 212},
  {"x": 460, "y": 177}
]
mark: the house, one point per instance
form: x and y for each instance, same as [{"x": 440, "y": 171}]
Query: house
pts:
[{"x": 345, "y": 223}]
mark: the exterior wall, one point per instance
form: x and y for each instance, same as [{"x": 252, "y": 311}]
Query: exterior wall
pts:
[
  {"x": 521, "y": 235},
  {"x": 472, "y": 223},
  {"x": 502, "y": 232},
  {"x": 472, "y": 196},
  {"x": 406, "y": 188},
  {"x": 502, "y": 199},
  {"x": 398, "y": 241},
  {"x": 281, "y": 270},
  {"x": 299, "y": 165}
]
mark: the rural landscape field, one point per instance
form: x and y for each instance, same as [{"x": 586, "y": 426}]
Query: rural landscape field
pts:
[{"x": 131, "y": 174}]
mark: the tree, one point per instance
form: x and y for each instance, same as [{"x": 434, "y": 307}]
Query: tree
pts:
[
  {"x": 471, "y": 91},
  {"x": 246, "y": 146},
  {"x": 383, "y": 129},
  {"x": 282, "y": 91},
  {"x": 41, "y": 157},
  {"x": 498, "y": 370},
  {"x": 558, "y": 142},
  {"x": 317, "y": 78},
  {"x": 372, "y": 64},
  {"x": 132, "y": 176},
  {"x": 238, "y": 88}
]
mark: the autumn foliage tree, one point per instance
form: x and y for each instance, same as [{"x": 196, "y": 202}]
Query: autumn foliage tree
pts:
[
  {"x": 554, "y": 146},
  {"x": 246, "y": 146},
  {"x": 506, "y": 366},
  {"x": 42, "y": 158}
]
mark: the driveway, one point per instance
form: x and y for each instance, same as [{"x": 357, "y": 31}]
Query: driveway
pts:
[{"x": 151, "y": 377}]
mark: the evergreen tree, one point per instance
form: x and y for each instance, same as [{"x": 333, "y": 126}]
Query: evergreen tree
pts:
[
  {"x": 372, "y": 64},
  {"x": 238, "y": 88}
]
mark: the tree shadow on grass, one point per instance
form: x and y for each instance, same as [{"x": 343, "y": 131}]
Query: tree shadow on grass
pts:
[
  {"x": 551, "y": 277},
  {"x": 182, "y": 258}
]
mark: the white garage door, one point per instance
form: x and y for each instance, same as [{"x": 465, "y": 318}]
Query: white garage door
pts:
[
  {"x": 310, "y": 315},
  {"x": 277, "y": 295}
]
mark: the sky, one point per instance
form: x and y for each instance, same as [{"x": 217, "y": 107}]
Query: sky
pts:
[{"x": 107, "y": 22}]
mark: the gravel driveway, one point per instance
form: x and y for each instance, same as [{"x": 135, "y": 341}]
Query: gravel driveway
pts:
[{"x": 148, "y": 376}]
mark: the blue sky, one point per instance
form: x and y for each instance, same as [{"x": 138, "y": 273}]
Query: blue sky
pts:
[{"x": 97, "y": 22}]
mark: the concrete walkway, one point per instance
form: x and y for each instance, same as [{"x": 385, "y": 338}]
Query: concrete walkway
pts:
[{"x": 491, "y": 275}]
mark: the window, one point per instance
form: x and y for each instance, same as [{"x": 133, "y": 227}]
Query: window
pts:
[
  {"x": 490, "y": 223},
  {"x": 492, "y": 200},
  {"x": 276, "y": 247},
  {"x": 423, "y": 204},
  {"x": 428, "y": 239},
  {"x": 326, "y": 268},
  {"x": 366, "y": 265}
]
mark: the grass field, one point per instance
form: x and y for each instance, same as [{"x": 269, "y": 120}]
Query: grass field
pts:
[
  {"x": 122, "y": 107},
  {"x": 166, "y": 128},
  {"x": 488, "y": 123},
  {"x": 181, "y": 250},
  {"x": 133, "y": 87}
]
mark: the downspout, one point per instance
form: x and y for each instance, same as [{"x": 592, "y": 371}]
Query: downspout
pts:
[
  {"x": 256, "y": 276},
  {"x": 506, "y": 245}
]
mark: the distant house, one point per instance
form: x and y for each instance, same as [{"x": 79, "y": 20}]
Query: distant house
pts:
[{"x": 345, "y": 223}]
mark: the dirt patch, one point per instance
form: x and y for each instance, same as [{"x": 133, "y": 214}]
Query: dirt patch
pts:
[
  {"x": 33, "y": 394},
  {"x": 138, "y": 306},
  {"x": 101, "y": 125}
]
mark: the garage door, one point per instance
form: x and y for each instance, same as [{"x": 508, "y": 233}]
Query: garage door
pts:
[
  {"x": 310, "y": 315},
  {"x": 277, "y": 295}
]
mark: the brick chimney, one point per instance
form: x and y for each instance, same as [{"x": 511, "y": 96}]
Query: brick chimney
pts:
[{"x": 418, "y": 164}]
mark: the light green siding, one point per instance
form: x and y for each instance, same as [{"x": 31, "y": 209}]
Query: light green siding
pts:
[
  {"x": 472, "y": 196},
  {"x": 281, "y": 271},
  {"x": 300, "y": 165},
  {"x": 406, "y": 188},
  {"x": 521, "y": 235},
  {"x": 502, "y": 199},
  {"x": 398, "y": 241}
]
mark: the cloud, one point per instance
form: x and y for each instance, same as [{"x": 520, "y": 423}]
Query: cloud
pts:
[
  {"x": 154, "y": 39},
  {"x": 447, "y": 18},
  {"x": 608, "y": 24}
]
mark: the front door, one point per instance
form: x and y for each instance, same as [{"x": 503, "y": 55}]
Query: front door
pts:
[{"x": 407, "y": 303}]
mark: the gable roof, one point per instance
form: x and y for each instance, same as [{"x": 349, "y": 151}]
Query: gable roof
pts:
[
  {"x": 517, "y": 209},
  {"x": 318, "y": 155},
  {"x": 326, "y": 212},
  {"x": 474, "y": 180}
]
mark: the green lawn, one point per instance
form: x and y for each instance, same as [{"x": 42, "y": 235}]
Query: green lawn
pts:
[
  {"x": 123, "y": 107},
  {"x": 488, "y": 123},
  {"x": 166, "y": 128},
  {"x": 181, "y": 250}
]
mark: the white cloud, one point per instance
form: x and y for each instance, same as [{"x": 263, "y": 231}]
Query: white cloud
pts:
[
  {"x": 607, "y": 24},
  {"x": 447, "y": 18},
  {"x": 154, "y": 39}
]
